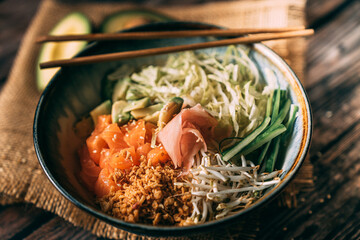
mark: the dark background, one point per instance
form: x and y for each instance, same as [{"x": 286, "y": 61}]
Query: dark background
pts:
[{"x": 332, "y": 209}]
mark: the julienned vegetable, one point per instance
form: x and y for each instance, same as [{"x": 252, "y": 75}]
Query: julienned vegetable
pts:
[
  {"x": 177, "y": 117},
  {"x": 246, "y": 141}
]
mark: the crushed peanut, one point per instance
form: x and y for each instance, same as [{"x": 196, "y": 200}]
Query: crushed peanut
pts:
[{"x": 148, "y": 195}]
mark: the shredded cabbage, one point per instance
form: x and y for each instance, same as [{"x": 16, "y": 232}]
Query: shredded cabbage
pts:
[{"x": 228, "y": 86}]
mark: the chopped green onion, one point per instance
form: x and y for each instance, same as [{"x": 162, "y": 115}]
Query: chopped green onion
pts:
[
  {"x": 248, "y": 139},
  {"x": 270, "y": 163},
  {"x": 272, "y": 132},
  {"x": 283, "y": 113},
  {"x": 226, "y": 139},
  {"x": 263, "y": 153},
  {"x": 275, "y": 110},
  {"x": 269, "y": 105},
  {"x": 289, "y": 129},
  {"x": 293, "y": 111}
]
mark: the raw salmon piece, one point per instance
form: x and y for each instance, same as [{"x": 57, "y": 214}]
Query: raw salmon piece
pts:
[
  {"x": 104, "y": 158},
  {"x": 158, "y": 155},
  {"x": 143, "y": 150},
  {"x": 89, "y": 170},
  {"x": 113, "y": 136},
  {"x": 124, "y": 159},
  {"x": 104, "y": 184},
  {"x": 103, "y": 122},
  {"x": 150, "y": 130},
  {"x": 136, "y": 133},
  {"x": 95, "y": 144}
]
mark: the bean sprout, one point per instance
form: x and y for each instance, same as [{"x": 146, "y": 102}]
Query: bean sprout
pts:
[{"x": 220, "y": 189}]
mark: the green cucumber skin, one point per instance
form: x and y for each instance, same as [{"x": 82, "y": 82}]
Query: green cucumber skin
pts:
[
  {"x": 120, "y": 89},
  {"x": 137, "y": 104},
  {"x": 282, "y": 113},
  {"x": 133, "y": 94},
  {"x": 135, "y": 12},
  {"x": 117, "y": 111},
  {"x": 40, "y": 83},
  {"x": 263, "y": 153},
  {"x": 241, "y": 145},
  {"x": 79, "y": 16},
  {"x": 269, "y": 105},
  {"x": 147, "y": 111},
  {"x": 270, "y": 140},
  {"x": 285, "y": 137},
  {"x": 276, "y": 105},
  {"x": 270, "y": 163},
  {"x": 264, "y": 137}
]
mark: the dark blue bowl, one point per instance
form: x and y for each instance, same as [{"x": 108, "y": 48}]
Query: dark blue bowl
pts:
[{"x": 74, "y": 91}]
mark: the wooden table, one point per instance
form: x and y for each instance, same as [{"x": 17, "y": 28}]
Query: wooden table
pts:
[{"x": 332, "y": 209}]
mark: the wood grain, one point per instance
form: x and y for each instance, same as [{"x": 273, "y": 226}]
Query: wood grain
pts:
[
  {"x": 18, "y": 219},
  {"x": 10, "y": 37},
  {"x": 332, "y": 209},
  {"x": 162, "y": 34},
  {"x": 319, "y": 11},
  {"x": 333, "y": 76},
  {"x": 107, "y": 57},
  {"x": 57, "y": 228}
]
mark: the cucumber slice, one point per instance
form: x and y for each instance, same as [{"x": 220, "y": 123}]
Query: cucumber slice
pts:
[
  {"x": 143, "y": 112},
  {"x": 138, "y": 104},
  {"x": 134, "y": 94},
  {"x": 117, "y": 112},
  {"x": 73, "y": 23},
  {"x": 120, "y": 89},
  {"x": 102, "y": 109},
  {"x": 153, "y": 118},
  {"x": 131, "y": 18}
]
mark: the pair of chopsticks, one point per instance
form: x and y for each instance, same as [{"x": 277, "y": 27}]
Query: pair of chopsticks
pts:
[{"x": 257, "y": 35}]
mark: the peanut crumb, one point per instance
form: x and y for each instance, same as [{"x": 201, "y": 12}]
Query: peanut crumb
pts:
[{"x": 148, "y": 195}]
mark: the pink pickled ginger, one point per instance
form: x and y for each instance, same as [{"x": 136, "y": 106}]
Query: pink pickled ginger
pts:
[{"x": 185, "y": 135}]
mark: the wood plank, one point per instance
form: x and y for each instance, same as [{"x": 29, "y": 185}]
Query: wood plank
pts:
[
  {"x": 57, "y": 228},
  {"x": 317, "y": 11},
  {"x": 332, "y": 207},
  {"x": 18, "y": 18},
  {"x": 16, "y": 218},
  {"x": 331, "y": 44},
  {"x": 333, "y": 77},
  {"x": 335, "y": 110},
  {"x": 331, "y": 210}
]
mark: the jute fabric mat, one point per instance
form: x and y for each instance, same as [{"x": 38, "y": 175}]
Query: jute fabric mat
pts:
[{"x": 21, "y": 178}]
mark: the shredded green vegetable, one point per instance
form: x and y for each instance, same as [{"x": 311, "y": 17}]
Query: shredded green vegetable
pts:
[
  {"x": 271, "y": 137},
  {"x": 246, "y": 141},
  {"x": 227, "y": 86}
]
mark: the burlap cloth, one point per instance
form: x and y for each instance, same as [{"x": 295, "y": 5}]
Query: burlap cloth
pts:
[{"x": 21, "y": 178}]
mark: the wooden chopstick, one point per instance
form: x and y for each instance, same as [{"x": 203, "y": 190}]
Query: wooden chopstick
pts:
[
  {"x": 163, "y": 50},
  {"x": 163, "y": 34}
]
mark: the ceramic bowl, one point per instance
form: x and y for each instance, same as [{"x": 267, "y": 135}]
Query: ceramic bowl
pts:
[{"x": 74, "y": 91}]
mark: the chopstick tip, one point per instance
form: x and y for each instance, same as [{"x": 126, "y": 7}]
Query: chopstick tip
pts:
[{"x": 40, "y": 39}]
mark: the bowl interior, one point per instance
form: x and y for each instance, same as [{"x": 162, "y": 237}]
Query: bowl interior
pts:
[{"x": 74, "y": 91}]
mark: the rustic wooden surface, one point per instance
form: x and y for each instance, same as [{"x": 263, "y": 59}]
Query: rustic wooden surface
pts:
[{"x": 332, "y": 209}]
